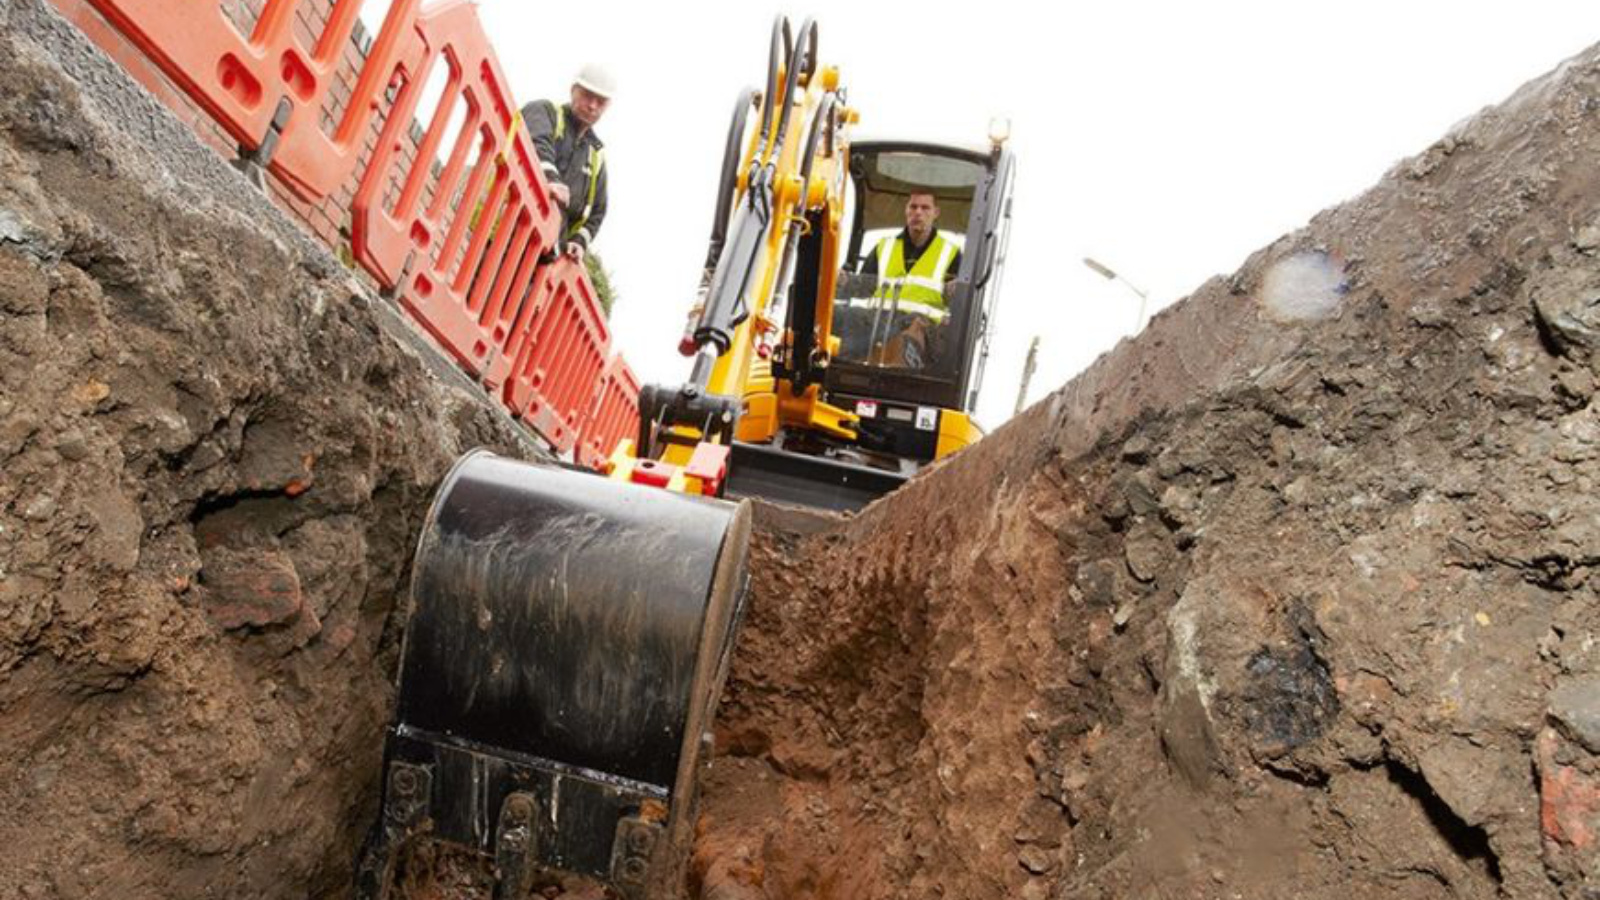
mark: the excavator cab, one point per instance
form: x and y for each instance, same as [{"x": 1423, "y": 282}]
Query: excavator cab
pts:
[
  {"x": 909, "y": 373},
  {"x": 972, "y": 191}
]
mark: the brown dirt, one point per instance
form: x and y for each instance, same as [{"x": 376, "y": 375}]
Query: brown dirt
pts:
[
  {"x": 215, "y": 452},
  {"x": 1255, "y": 608},
  {"x": 1259, "y": 606}
]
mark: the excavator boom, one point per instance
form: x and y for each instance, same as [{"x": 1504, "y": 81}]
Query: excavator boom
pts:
[{"x": 782, "y": 194}]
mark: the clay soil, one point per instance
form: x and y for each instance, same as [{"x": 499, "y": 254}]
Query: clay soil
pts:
[{"x": 1291, "y": 596}]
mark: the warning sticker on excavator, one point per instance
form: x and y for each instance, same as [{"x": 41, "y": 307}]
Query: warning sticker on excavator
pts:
[
  {"x": 867, "y": 409},
  {"x": 927, "y": 418}
]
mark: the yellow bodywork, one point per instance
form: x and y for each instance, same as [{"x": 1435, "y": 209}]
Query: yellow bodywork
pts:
[
  {"x": 956, "y": 430},
  {"x": 768, "y": 405},
  {"x": 740, "y": 372}
]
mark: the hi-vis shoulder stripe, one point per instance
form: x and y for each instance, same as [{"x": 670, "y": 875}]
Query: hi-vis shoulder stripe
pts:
[{"x": 504, "y": 154}]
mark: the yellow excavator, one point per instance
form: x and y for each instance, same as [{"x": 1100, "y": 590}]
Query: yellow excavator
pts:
[
  {"x": 796, "y": 392},
  {"x": 569, "y": 634}
]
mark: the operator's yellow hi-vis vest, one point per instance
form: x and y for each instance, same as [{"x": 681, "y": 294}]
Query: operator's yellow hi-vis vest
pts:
[{"x": 922, "y": 288}]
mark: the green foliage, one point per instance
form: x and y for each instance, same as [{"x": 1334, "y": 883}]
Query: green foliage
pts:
[{"x": 601, "y": 279}]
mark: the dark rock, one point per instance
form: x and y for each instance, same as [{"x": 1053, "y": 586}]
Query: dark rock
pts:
[
  {"x": 1288, "y": 696},
  {"x": 1567, "y": 304},
  {"x": 1147, "y": 550},
  {"x": 1137, "y": 449},
  {"x": 1036, "y": 859},
  {"x": 1097, "y": 582},
  {"x": 1141, "y": 495},
  {"x": 1575, "y": 710}
]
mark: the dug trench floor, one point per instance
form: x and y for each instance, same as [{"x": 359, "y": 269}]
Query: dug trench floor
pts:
[{"x": 1291, "y": 596}]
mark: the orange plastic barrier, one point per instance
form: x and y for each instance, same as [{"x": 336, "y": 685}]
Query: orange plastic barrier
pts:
[
  {"x": 615, "y": 415},
  {"x": 463, "y": 264},
  {"x": 270, "y": 86},
  {"x": 560, "y": 359},
  {"x": 460, "y": 245}
]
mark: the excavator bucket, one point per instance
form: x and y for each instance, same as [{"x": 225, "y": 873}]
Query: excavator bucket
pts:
[{"x": 568, "y": 640}]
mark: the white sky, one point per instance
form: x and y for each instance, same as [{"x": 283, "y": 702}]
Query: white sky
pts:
[{"x": 1168, "y": 140}]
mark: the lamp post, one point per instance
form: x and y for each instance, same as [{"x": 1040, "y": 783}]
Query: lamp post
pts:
[
  {"x": 1111, "y": 275},
  {"x": 1027, "y": 374}
]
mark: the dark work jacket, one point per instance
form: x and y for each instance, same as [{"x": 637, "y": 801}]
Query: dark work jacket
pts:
[{"x": 565, "y": 160}]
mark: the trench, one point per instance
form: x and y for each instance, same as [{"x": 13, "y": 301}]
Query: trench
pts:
[{"x": 1268, "y": 601}]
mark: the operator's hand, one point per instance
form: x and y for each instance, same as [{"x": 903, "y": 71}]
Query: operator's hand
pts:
[
  {"x": 561, "y": 194},
  {"x": 575, "y": 252}
]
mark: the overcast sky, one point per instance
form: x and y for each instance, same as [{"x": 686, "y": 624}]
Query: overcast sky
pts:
[{"x": 1168, "y": 140}]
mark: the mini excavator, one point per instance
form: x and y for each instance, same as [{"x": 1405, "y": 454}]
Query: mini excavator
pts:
[
  {"x": 777, "y": 406},
  {"x": 570, "y": 634}
]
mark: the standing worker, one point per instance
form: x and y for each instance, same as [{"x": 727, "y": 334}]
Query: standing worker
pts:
[{"x": 573, "y": 157}]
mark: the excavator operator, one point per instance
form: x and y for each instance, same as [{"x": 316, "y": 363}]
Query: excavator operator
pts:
[{"x": 902, "y": 320}]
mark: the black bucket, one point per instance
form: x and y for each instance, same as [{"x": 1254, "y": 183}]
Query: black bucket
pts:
[{"x": 568, "y": 640}]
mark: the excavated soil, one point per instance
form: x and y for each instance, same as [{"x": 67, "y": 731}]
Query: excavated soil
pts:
[
  {"x": 215, "y": 453},
  {"x": 1289, "y": 597}
]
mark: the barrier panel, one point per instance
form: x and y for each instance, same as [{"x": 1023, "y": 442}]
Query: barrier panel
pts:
[
  {"x": 463, "y": 263},
  {"x": 460, "y": 246},
  {"x": 269, "y": 89},
  {"x": 562, "y": 356},
  {"x": 615, "y": 415}
]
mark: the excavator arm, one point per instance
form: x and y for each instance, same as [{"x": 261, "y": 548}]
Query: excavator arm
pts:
[{"x": 757, "y": 364}]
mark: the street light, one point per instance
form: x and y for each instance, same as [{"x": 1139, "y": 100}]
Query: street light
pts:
[
  {"x": 1027, "y": 374},
  {"x": 1111, "y": 275}
]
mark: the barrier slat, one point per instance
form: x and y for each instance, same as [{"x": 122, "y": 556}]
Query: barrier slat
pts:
[
  {"x": 561, "y": 358},
  {"x": 526, "y": 391},
  {"x": 615, "y": 415},
  {"x": 241, "y": 80},
  {"x": 309, "y": 158},
  {"x": 464, "y": 289},
  {"x": 199, "y": 48}
]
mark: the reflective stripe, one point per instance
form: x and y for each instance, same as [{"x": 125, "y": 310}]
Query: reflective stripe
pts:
[
  {"x": 597, "y": 161},
  {"x": 948, "y": 254},
  {"x": 935, "y": 313}
]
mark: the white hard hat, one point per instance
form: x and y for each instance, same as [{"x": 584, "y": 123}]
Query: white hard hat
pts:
[{"x": 596, "y": 79}]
